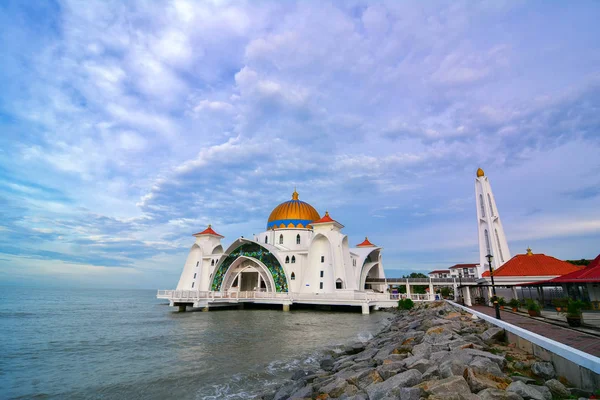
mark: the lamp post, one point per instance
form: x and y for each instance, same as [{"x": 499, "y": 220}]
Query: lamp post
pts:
[{"x": 495, "y": 299}]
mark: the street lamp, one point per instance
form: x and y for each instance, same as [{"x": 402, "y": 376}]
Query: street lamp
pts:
[{"x": 494, "y": 298}]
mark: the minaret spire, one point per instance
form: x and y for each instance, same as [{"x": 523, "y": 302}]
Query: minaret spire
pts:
[{"x": 491, "y": 233}]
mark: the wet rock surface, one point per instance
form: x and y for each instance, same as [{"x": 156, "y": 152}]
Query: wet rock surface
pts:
[{"x": 435, "y": 351}]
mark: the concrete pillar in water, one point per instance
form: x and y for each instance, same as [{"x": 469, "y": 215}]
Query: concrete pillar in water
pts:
[
  {"x": 365, "y": 309},
  {"x": 286, "y": 307},
  {"x": 205, "y": 309},
  {"x": 407, "y": 289},
  {"x": 182, "y": 308},
  {"x": 467, "y": 295}
]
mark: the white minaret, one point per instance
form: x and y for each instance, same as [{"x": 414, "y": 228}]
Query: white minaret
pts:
[{"x": 491, "y": 234}]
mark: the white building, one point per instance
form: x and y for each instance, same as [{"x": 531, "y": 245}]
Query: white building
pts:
[
  {"x": 491, "y": 234},
  {"x": 466, "y": 271},
  {"x": 299, "y": 252},
  {"x": 440, "y": 273}
]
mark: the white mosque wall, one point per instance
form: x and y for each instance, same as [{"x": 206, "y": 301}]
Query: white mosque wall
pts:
[
  {"x": 191, "y": 269},
  {"x": 320, "y": 258}
]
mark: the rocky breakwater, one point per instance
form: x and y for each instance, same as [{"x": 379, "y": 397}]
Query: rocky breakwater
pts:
[{"x": 434, "y": 351}]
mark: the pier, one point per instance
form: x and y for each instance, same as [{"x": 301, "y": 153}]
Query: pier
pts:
[{"x": 364, "y": 299}]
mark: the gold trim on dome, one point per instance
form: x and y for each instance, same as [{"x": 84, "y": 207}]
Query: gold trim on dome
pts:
[
  {"x": 282, "y": 225},
  {"x": 299, "y": 225}
]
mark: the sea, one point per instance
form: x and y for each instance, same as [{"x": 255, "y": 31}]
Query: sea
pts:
[{"x": 126, "y": 344}]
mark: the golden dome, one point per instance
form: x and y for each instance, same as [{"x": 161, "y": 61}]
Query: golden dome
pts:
[
  {"x": 480, "y": 173},
  {"x": 292, "y": 214}
]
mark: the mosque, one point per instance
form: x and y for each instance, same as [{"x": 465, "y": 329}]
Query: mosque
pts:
[{"x": 299, "y": 252}]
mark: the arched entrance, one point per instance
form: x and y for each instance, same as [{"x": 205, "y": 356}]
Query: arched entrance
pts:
[{"x": 248, "y": 274}]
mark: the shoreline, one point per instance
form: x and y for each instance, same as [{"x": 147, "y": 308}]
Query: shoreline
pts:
[{"x": 434, "y": 351}]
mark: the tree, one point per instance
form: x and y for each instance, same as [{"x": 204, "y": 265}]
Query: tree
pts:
[{"x": 415, "y": 275}]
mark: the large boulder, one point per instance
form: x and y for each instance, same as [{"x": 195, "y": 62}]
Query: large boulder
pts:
[
  {"x": 452, "y": 368},
  {"x": 387, "y": 370},
  {"x": 497, "y": 394},
  {"x": 305, "y": 392},
  {"x": 393, "y": 385},
  {"x": 481, "y": 381},
  {"x": 492, "y": 335},
  {"x": 366, "y": 355},
  {"x": 543, "y": 370},
  {"x": 544, "y": 390},
  {"x": 327, "y": 363},
  {"x": 525, "y": 391},
  {"x": 364, "y": 378},
  {"x": 335, "y": 388},
  {"x": 422, "y": 349},
  {"x": 557, "y": 388},
  {"x": 437, "y": 334},
  {"x": 486, "y": 366},
  {"x": 421, "y": 365},
  {"x": 453, "y": 384}
]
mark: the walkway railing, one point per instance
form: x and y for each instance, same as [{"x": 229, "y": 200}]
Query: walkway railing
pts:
[{"x": 193, "y": 295}]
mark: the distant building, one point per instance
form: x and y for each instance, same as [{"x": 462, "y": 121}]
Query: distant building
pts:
[
  {"x": 440, "y": 273},
  {"x": 466, "y": 271}
]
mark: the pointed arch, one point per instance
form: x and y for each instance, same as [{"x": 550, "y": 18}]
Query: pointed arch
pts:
[
  {"x": 293, "y": 259},
  {"x": 287, "y": 259},
  {"x": 298, "y": 239},
  {"x": 293, "y": 276},
  {"x": 499, "y": 247},
  {"x": 487, "y": 241},
  {"x": 281, "y": 238},
  {"x": 491, "y": 207}
]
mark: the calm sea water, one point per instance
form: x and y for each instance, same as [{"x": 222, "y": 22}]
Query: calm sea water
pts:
[{"x": 119, "y": 344}]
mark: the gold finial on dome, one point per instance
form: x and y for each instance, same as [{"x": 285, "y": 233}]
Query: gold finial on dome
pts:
[
  {"x": 327, "y": 213},
  {"x": 529, "y": 252},
  {"x": 295, "y": 195},
  {"x": 480, "y": 173}
]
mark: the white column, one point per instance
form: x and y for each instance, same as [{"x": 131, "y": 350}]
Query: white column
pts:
[
  {"x": 489, "y": 294},
  {"x": 467, "y": 295},
  {"x": 431, "y": 292},
  {"x": 514, "y": 292},
  {"x": 365, "y": 308},
  {"x": 407, "y": 289}
]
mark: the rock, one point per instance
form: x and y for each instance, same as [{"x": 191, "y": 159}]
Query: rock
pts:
[
  {"x": 354, "y": 348},
  {"x": 350, "y": 390},
  {"x": 525, "y": 391},
  {"x": 524, "y": 379},
  {"x": 384, "y": 352},
  {"x": 478, "y": 382},
  {"x": 409, "y": 394},
  {"x": 423, "y": 350},
  {"x": 486, "y": 366},
  {"x": 364, "y": 378},
  {"x": 327, "y": 363},
  {"x": 432, "y": 373},
  {"x": 453, "y": 384},
  {"x": 519, "y": 365},
  {"x": 366, "y": 355},
  {"x": 437, "y": 334},
  {"x": 285, "y": 391},
  {"x": 393, "y": 385},
  {"x": 543, "y": 370},
  {"x": 492, "y": 335},
  {"x": 303, "y": 393},
  {"x": 420, "y": 365},
  {"x": 301, "y": 374},
  {"x": 387, "y": 370},
  {"x": 452, "y": 368},
  {"x": 335, "y": 388},
  {"x": 437, "y": 356},
  {"x": 557, "y": 388},
  {"x": 497, "y": 394},
  {"x": 544, "y": 390}
]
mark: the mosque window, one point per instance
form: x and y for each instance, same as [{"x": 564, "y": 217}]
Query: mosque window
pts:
[
  {"x": 322, "y": 273},
  {"x": 266, "y": 239},
  {"x": 293, "y": 276},
  {"x": 321, "y": 285},
  {"x": 193, "y": 284},
  {"x": 322, "y": 259},
  {"x": 293, "y": 259},
  {"x": 487, "y": 241},
  {"x": 197, "y": 262},
  {"x": 212, "y": 262},
  {"x": 482, "y": 205},
  {"x": 287, "y": 259},
  {"x": 338, "y": 284},
  {"x": 280, "y": 239},
  {"x": 298, "y": 239},
  {"x": 499, "y": 247},
  {"x": 491, "y": 207},
  {"x": 194, "y": 275}
]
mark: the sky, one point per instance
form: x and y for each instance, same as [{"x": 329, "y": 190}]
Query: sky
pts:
[{"x": 127, "y": 126}]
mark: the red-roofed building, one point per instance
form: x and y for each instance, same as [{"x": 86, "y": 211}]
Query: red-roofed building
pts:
[
  {"x": 529, "y": 267},
  {"x": 584, "y": 283},
  {"x": 440, "y": 273}
]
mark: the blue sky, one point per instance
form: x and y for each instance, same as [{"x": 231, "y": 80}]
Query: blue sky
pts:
[{"x": 126, "y": 126}]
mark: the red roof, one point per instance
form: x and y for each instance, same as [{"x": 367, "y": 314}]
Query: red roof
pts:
[
  {"x": 326, "y": 218},
  {"x": 590, "y": 273},
  {"x": 366, "y": 243},
  {"x": 533, "y": 265},
  {"x": 208, "y": 231},
  {"x": 464, "y": 266},
  {"x": 443, "y": 271}
]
